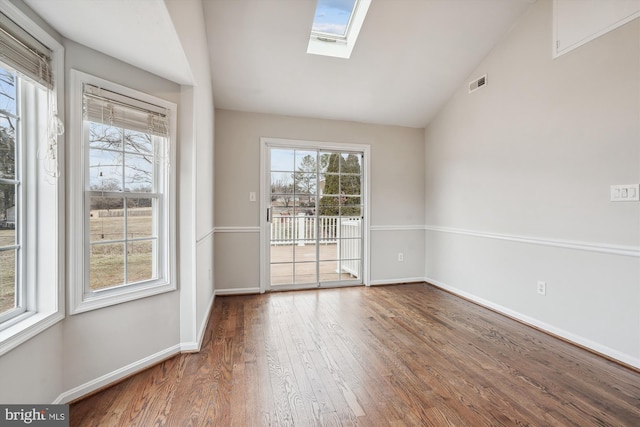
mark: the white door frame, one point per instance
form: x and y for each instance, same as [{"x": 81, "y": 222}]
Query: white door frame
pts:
[{"x": 265, "y": 179}]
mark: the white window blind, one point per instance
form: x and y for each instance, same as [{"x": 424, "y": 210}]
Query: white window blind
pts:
[
  {"x": 21, "y": 51},
  {"x": 111, "y": 108}
]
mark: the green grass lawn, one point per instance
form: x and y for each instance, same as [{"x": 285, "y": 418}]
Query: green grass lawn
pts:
[
  {"x": 7, "y": 272},
  {"x": 106, "y": 265}
]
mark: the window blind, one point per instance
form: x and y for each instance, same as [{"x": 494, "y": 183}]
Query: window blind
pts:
[
  {"x": 23, "y": 52},
  {"x": 107, "y": 107}
]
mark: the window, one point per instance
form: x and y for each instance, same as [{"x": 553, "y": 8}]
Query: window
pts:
[
  {"x": 332, "y": 18},
  {"x": 336, "y": 26},
  {"x": 11, "y": 195},
  {"x": 30, "y": 209},
  {"x": 124, "y": 197}
]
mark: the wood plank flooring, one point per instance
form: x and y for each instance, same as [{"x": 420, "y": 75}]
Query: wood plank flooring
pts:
[{"x": 405, "y": 355}]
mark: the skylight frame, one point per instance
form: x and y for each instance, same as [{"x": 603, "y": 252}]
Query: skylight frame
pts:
[{"x": 333, "y": 45}]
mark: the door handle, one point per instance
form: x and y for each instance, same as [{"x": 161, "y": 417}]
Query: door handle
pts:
[{"x": 268, "y": 214}]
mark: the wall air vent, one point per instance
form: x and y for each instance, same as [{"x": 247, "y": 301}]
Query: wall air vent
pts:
[{"x": 477, "y": 83}]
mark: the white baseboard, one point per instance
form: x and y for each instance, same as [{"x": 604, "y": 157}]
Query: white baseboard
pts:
[
  {"x": 395, "y": 281},
  {"x": 238, "y": 291},
  {"x": 576, "y": 339},
  {"x": 138, "y": 366},
  {"x": 117, "y": 375},
  {"x": 194, "y": 347}
]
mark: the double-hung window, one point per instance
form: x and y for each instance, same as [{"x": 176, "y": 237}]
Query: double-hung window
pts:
[
  {"x": 30, "y": 197},
  {"x": 124, "y": 201}
]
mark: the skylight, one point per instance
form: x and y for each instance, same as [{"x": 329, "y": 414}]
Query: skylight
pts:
[
  {"x": 336, "y": 26},
  {"x": 332, "y": 17}
]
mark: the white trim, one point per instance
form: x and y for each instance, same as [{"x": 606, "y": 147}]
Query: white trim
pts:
[
  {"x": 194, "y": 347},
  {"x": 26, "y": 329},
  {"x": 557, "y": 51},
  {"x": 237, "y": 230},
  {"x": 576, "y": 339},
  {"x": 397, "y": 228},
  {"x": 557, "y": 243},
  {"x": 205, "y": 236},
  {"x": 118, "y": 374},
  {"x": 265, "y": 143},
  {"x": 383, "y": 282},
  {"x": 238, "y": 291}
]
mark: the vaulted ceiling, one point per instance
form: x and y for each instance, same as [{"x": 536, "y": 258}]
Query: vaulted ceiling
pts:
[{"x": 410, "y": 57}]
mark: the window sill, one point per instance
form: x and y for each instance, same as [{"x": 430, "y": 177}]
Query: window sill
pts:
[
  {"x": 118, "y": 296},
  {"x": 28, "y": 326}
]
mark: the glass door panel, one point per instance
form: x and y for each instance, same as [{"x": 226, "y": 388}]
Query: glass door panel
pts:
[{"x": 315, "y": 227}]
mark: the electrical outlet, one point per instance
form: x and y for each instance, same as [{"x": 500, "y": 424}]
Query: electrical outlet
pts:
[
  {"x": 542, "y": 288},
  {"x": 400, "y": 256}
]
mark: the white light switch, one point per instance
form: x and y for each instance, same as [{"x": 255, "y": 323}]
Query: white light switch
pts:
[
  {"x": 252, "y": 196},
  {"x": 625, "y": 193}
]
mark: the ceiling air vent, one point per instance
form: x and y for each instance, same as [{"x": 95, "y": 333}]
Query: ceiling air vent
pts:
[{"x": 477, "y": 83}]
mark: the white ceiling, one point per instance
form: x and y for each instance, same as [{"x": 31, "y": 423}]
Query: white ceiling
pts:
[
  {"x": 139, "y": 32},
  {"x": 410, "y": 57}
]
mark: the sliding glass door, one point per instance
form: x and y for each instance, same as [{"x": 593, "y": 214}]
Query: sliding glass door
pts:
[{"x": 315, "y": 217}]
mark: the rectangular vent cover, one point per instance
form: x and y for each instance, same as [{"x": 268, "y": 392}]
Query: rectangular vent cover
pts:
[{"x": 477, "y": 83}]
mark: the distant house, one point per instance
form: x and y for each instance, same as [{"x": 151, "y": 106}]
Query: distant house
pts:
[{"x": 9, "y": 218}]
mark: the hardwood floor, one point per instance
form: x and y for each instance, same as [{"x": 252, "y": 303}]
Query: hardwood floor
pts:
[{"x": 406, "y": 355}]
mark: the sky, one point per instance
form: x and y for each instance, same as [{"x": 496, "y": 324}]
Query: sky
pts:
[{"x": 332, "y": 16}]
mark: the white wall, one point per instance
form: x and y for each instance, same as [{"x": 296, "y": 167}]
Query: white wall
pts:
[
  {"x": 93, "y": 349},
  {"x": 32, "y": 372},
  {"x": 397, "y": 192},
  {"x": 102, "y": 341},
  {"x": 517, "y": 186},
  {"x": 196, "y": 195}
]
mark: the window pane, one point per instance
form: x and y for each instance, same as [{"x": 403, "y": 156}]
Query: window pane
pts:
[
  {"x": 282, "y": 160},
  {"x": 105, "y": 170},
  {"x": 138, "y": 142},
  {"x": 8, "y": 213},
  {"x": 138, "y": 173},
  {"x": 354, "y": 211},
  {"x": 106, "y": 265},
  {"x": 7, "y": 280},
  {"x": 106, "y": 219},
  {"x": 7, "y": 91},
  {"x": 350, "y": 184},
  {"x": 306, "y": 161},
  {"x": 281, "y": 274},
  {"x": 305, "y": 183},
  {"x": 140, "y": 218},
  {"x": 105, "y": 136},
  {"x": 7, "y": 147},
  {"x": 140, "y": 261},
  {"x": 7, "y": 235},
  {"x": 332, "y": 17}
]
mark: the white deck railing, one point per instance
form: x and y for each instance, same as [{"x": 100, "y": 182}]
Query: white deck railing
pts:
[
  {"x": 350, "y": 246},
  {"x": 302, "y": 229}
]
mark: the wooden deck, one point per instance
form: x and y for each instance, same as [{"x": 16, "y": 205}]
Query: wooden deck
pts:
[
  {"x": 407, "y": 355},
  {"x": 290, "y": 260}
]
